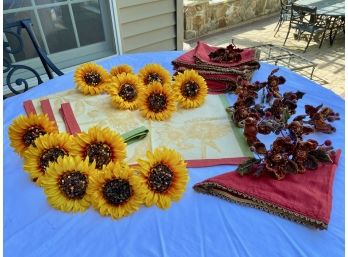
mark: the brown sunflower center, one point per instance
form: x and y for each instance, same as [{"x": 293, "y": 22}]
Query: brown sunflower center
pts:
[
  {"x": 151, "y": 77},
  {"x": 117, "y": 191},
  {"x": 92, "y": 78},
  {"x": 157, "y": 102},
  {"x": 100, "y": 152},
  {"x": 73, "y": 184},
  {"x": 190, "y": 89},
  {"x": 50, "y": 155},
  {"x": 161, "y": 178},
  {"x": 128, "y": 92},
  {"x": 31, "y": 134}
]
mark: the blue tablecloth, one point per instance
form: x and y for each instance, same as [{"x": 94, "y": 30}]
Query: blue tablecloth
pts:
[{"x": 198, "y": 225}]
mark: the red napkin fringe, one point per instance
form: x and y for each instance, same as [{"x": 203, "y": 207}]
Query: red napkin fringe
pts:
[{"x": 303, "y": 198}]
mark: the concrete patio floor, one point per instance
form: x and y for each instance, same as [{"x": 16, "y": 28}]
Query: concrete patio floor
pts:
[{"x": 330, "y": 60}]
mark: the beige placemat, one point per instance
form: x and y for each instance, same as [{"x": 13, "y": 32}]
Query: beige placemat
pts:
[{"x": 198, "y": 134}]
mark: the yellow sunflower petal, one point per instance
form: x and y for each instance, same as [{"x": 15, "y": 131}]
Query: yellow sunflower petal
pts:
[
  {"x": 165, "y": 177},
  {"x": 66, "y": 183},
  {"x": 116, "y": 191},
  {"x": 191, "y": 89},
  {"x": 91, "y": 78},
  {"x": 126, "y": 92},
  {"x": 157, "y": 102},
  {"x": 118, "y": 70},
  {"x": 101, "y": 145},
  {"x": 24, "y": 130},
  {"x": 47, "y": 149},
  {"x": 154, "y": 73}
]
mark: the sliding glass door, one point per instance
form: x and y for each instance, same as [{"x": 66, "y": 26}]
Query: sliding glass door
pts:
[{"x": 70, "y": 31}]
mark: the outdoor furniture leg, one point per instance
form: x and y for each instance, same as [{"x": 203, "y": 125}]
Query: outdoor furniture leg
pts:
[
  {"x": 309, "y": 40},
  {"x": 312, "y": 72},
  {"x": 287, "y": 35}
]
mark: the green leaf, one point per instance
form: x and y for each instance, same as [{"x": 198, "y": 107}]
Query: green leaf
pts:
[
  {"x": 321, "y": 155},
  {"x": 286, "y": 115},
  {"x": 246, "y": 167}
]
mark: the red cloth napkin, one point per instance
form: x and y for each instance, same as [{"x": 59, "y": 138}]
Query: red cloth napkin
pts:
[
  {"x": 203, "y": 50},
  {"x": 219, "y": 76},
  {"x": 303, "y": 198},
  {"x": 69, "y": 119}
]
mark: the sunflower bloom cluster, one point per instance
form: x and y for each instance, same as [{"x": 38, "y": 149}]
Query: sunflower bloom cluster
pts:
[
  {"x": 89, "y": 169},
  {"x": 152, "y": 90}
]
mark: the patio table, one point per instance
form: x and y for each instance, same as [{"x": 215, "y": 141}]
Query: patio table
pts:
[
  {"x": 325, "y": 7},
  {"x": 197, "y": 225}
]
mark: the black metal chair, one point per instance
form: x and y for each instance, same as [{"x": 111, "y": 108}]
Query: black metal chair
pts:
[
  {"x": 16, "y": 46},
  {"x": 337, "y": 25},
  {"x": 285, "y": 14},
  {"x": 305, "y": 20}
]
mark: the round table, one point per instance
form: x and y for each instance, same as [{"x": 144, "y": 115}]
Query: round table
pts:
[
  {"x": 325, "y": 7},
  {"x": 197, "y": 225}
]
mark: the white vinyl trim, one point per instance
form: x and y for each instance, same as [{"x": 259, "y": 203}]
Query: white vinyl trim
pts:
[{"x": 116, "y": 26}]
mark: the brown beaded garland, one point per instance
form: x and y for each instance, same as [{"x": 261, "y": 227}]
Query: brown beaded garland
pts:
[
  {"x": 31, "y": 134},
  {"x": 99, "y": 152},
  {"x": 161, "y": 178},
  {"x": 117, "y": 191},
  {"x": 73, "y": 184}
]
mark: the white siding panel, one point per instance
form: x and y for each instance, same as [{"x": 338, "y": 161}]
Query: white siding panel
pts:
[
  {"x": 148, "y": 38},
  {"x": 127, "y": 3},
  {"x": 149, "y": 24},
  {"x": 165, "y": 45},
  {"x": 143, "y": 11}
]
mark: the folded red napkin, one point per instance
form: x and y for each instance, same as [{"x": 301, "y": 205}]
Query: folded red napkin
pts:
[
  {"x": 220, "y": 77},
  {"x": 69, "y": 119},
  {"x": 29, "y": 107},
  {"x": 202, "y": 51},
  {"x": 47, "y": 109},
  {"x": 303, "y": 198}
]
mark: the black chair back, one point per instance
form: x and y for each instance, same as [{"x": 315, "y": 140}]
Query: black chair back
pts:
[
  {"x": 15, "y": 46},
  {"x": 303, "y": 15}
]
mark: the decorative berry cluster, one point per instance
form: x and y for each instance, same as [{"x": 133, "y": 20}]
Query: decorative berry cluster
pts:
[
  {"x": 289, "y": 153},
  {"x": 229, "y": 54}
]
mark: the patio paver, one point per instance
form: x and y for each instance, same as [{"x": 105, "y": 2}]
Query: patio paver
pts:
[{"x": 330, "y": 60}]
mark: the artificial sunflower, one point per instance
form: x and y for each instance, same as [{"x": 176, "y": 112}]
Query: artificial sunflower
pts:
[
  {"x": 154, "y": 73},
  {"x": 191, "y": 89},
  {"x": 118, "y": 70},
  {"x": 165, "y": 176},
  {"x": 127, "y": 91},
  {"x": 157, "y": 102},
  {"x": 91, "y": 78},
  {"x": 25, "y": 129},
  {"x": 47, "y": 149},
  {"x": 101, "y": 145},
  {"x": 66, "y": 183},
  {"x": 116, "y": 191}
]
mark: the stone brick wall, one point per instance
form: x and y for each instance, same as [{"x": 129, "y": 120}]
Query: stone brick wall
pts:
[{"x": 205, "y": 16}]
